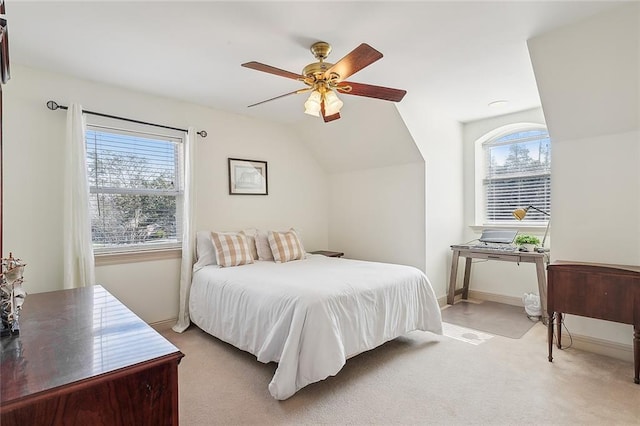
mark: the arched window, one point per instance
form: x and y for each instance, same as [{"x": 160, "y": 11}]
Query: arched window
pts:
[{"x": 513, "y": 170}]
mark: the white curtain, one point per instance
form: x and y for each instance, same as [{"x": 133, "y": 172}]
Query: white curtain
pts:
[
  {"x": 78, "y": 250},
  {"x": 188, "y": 234}
]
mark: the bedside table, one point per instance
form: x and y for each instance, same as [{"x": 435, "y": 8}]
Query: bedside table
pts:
[{"x": 328, "y": 253}]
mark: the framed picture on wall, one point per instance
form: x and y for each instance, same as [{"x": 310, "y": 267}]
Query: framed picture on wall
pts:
[{"x": 247, "y": 177}]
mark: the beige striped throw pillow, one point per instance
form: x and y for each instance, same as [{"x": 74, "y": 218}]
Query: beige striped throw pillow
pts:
[
  {"x": 286, "y": 246},
  {"x": 232, "y": 248}
]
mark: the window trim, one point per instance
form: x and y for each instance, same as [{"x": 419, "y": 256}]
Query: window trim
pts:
[
  {"x": 479, "y": 175},
  {"x": 529, "y": 229},
  {"x": 118, "y": 258},
  {"x": 148, "y": 251}
]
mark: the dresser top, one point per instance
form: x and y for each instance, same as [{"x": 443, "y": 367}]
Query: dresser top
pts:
[
  {"x": 590, "y": 265},
  {"x": 68, "y": 336}
]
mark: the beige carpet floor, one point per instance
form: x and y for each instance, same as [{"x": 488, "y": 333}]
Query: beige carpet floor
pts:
[{"x": 418, "y": 379}]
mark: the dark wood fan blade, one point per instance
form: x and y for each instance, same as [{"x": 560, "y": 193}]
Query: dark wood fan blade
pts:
[
  {"x": 328, "y": 118},
  {"x": 360, "y": 57},
  {"x": 281, "y": 96},
  {"x": 272, "y": 70},
  {"x": 370, "y": 91}
]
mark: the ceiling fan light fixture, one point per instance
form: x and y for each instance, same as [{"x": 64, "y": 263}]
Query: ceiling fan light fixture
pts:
[
  {"x": 332, "y": 103},
  {"x": 312, "y": 105}
]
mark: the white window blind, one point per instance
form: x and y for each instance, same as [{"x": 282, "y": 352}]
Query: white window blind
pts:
[
  {"x": 135, "y": 185},
  {"x": 517, "y": 174}
]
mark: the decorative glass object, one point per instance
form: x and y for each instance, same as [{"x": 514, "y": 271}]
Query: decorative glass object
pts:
[{"x": 11, "y": 295}]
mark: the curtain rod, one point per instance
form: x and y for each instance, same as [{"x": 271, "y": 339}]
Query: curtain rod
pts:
[{"x": 53, "y": 105}]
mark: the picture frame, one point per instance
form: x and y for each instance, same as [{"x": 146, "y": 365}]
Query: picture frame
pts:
[{"x": 248, "y": 177}]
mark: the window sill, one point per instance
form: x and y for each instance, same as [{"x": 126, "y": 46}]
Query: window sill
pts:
[
  {"x": 117, "y": 258},
  {"x": 529, "y": 229}
]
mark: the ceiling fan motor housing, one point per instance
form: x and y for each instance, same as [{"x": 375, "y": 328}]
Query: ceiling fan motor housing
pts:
[
  {"x": 316, "y": 69},
  {"x": 320, "y": 50}
]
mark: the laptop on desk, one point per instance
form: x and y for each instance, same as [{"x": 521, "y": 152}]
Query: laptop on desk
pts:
[
  {"x": 493, "y": 239},
  {"x": 498, "y": 236}
]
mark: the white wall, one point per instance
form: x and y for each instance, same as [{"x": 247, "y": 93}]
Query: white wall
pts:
[
  {"x": 377, "y": 182},
  {"x": 495, "y": 278},
  {"x": 403, "y": 202},
  {"x": 33, "y": 192},
  {"x": 378, "y": 214},
  {"x": 439, "y": 139},
  {"x": 371, "y": 134},
  {"x": 298, "y": 189},
  {"x": 589, "y": 84}
]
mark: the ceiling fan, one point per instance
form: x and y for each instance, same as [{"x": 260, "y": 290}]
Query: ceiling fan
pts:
[{"x": 324, "y": 79}]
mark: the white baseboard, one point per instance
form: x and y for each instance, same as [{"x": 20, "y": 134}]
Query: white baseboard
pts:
[
  {"x": 165, "y": 325},
  {"x": 499, "y": 298},
  {"x": 600, "y": 346},
  {"x": 581, "y": 342},
  {"x": 490, "y": 297}
]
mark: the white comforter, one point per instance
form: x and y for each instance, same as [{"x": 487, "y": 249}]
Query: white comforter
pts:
[{"x": 310, "y": 315}]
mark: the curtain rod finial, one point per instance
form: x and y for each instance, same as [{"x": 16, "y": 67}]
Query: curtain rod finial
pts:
[
  {"x": 203, "y": 133},
  {"x": 52, "y": 105}
]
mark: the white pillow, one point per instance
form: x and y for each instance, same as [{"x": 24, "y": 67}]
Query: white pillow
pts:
[
  {"x": 232, "y": 248},
  {"x": 286, "y": 246},
  {"x": 262, "y": 246},
  {"x": 205, "y": 252},
  {"x": 251, "y": 238}
]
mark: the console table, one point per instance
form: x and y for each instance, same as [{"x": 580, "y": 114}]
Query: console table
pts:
[
  {"x": 500, "y": 255},
  {"x": 608, "y": 292},
  {"x": 83, "y": 358}
]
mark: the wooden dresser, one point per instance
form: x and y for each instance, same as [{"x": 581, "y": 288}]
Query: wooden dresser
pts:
[
  {"x": 608, "y": 292},
  {"x": 83, "y": 358}
]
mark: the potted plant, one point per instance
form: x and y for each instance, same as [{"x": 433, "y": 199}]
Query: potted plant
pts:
[{"x": 528, "y": 242}]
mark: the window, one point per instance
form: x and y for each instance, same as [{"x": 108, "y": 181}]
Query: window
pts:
[
  {"x": 135, "y": 189},
  {"x": 515, "y": 171}
]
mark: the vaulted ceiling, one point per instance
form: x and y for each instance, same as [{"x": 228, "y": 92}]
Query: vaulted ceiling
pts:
[{"x": 454, "y": 56}]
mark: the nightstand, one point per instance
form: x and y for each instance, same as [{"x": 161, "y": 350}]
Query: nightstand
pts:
[{"x": 328, "y": 253}]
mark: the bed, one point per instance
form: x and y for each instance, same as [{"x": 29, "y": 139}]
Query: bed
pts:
[{"x": 311, "y": 315}]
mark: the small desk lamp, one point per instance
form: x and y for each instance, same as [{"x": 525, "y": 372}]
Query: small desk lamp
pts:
[{"x": 521, "y": 213}]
